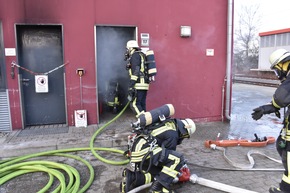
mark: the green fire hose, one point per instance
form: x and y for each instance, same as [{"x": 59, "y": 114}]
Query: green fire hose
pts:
[
  {"x": 117, "y": 151},
  {"x": 14, "y": 167}
]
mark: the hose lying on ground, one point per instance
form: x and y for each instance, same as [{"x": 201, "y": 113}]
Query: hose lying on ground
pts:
[
  {"x": 15, "y": 167},
  {"x": 112, "y": 162},
  {"x": 218, "y": 186},
  {"x": 250, "y": 158}
]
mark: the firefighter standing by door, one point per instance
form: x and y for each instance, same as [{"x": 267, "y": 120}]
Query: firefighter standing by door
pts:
[
  {"x": 153, "y": 155},
  {"x": 139, "y": 83},
  {"x": 280, "y": 60}
]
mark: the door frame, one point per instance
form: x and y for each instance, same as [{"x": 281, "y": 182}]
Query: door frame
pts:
[{"x": 96, "y": 57}]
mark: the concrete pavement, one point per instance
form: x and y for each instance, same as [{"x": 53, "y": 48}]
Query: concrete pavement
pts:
[{"x": 206, "y": 163}]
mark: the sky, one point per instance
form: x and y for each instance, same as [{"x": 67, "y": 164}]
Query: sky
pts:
[{"x": 275, "y": 14}]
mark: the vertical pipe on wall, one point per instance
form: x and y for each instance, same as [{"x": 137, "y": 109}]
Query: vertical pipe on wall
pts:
[
  {"x": 229, "y": 58},
  {"x": 223, "y": 99},
  {"x": 81, "y": 92}
]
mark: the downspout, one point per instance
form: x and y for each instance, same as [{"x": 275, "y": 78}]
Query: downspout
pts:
[{"x": 229, "y": 59}]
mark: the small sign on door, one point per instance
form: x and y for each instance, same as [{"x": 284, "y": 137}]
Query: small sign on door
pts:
[{"x": 41, "y": 83}]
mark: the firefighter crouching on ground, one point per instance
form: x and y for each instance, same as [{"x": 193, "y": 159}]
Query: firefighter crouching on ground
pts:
[
  {"x": 280, "y": 60},
  {"x": 152, "y": 152},
  {"x": 139, "y": 83}
]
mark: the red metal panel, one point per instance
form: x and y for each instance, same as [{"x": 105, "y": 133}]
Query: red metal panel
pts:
[
  {"x": 10, "y": 14},
  {"x": 187, "y": 78},
  {"x": 78, "y": 21}
]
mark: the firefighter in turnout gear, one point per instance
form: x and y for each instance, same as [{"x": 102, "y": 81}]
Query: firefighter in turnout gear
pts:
[
  {"x": 139, "y": 82},
  {"x": 153, "y": 155},
  {"x": 280, "y": 60}
]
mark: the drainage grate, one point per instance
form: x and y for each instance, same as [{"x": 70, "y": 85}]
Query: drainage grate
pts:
[{"x": 43, "y": 130}]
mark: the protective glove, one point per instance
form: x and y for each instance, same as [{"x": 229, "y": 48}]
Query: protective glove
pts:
[
  {"x": 128, "y": 66},
  {"x": 132, "y": 94},
  {"x": 184, "y": 174},
  {"x": 265, "y": 109},
  {"x": 152, "y": 79}
]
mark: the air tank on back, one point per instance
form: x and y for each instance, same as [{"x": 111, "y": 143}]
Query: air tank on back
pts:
[{"x": 156, "y": 115}]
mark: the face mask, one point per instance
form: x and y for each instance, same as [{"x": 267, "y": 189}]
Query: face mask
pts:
[
  {"x": 279, "y": 72},
  {"x": 127, "y": 55}
]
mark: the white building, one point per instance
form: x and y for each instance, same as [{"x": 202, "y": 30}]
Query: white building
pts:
[{"x": 269, "y": 42}]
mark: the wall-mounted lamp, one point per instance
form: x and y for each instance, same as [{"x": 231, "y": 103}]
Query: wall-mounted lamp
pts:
[{"x": 185, "y": 31}]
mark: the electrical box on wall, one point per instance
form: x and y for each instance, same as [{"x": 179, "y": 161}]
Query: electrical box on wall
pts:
[
  {"x": 41, "y": 83},
  {"x": 81, "y": 118},
  {"x": 144, "y": 39}
]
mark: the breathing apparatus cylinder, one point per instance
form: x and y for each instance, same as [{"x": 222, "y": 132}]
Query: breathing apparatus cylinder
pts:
[
  {"x": 152, "y": 71},
  {"x": 156, "y": 115}
]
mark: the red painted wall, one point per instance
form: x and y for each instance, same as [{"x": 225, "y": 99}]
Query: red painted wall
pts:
[{"x": 187, "y": 78}]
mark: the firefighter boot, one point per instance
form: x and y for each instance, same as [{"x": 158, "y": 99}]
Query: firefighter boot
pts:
[
  {"x": 157, "y": 187},
  {"x": 131, "y": 180},
  {"x": 275, "y": 190}
]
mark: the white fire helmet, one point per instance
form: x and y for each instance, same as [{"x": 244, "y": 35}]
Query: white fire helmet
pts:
[
  {"x": 277, "y": 56},
  {"x": 132, "y": 44},
  {"x": 189, "y": 125}
]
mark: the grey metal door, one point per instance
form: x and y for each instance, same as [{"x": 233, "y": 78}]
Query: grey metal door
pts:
[{"x": 40, "y": 51}]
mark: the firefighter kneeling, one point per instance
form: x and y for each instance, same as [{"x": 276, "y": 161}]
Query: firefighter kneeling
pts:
[{"x": 153, "y": 155}]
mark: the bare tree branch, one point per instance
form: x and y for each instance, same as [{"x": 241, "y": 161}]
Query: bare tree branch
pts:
[{"x": 246, "y": 41}]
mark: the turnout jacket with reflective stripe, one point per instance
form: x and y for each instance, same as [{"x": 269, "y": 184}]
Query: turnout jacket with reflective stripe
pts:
[
  {"x": 141, "y": 149},
  {"x": 167, "y": 136},
  {"x": 281, "y": 98},
  {"x": 136, "y": 72}
]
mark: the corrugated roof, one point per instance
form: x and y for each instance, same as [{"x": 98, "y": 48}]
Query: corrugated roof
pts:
[{"x": 280, "y": 31}]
